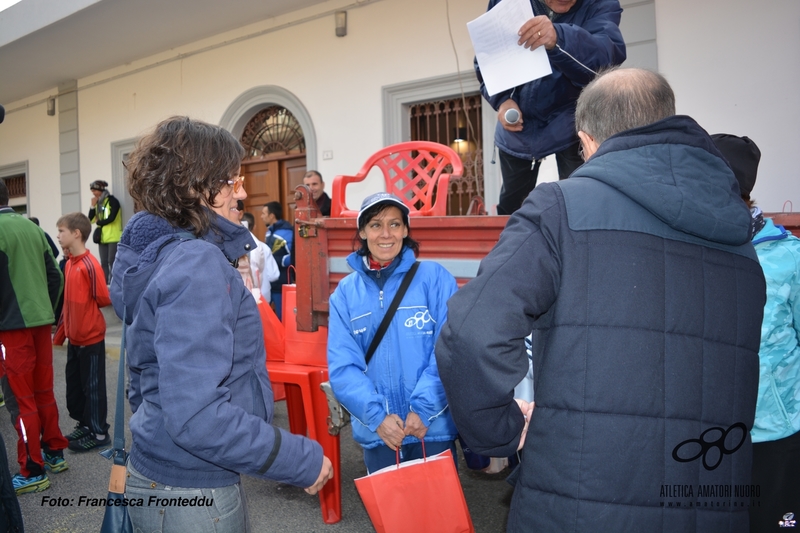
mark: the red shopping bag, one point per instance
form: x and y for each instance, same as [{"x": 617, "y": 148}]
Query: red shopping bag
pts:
[
  {"x": 423, "y": 496},
  {"x": 274, "y": 335},
  {"x": 274, "y": 341},
  {"x": 302, "y": 347}
]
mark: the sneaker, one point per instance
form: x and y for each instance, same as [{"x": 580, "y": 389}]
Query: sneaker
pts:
[
  {"x": 89, "y": 442},
  {"x": 78, "y": 433},
  {"x": 54, "y": 463},
  {"x": 23, "y": 485}
]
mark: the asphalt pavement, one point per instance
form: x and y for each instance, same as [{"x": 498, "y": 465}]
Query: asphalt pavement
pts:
[{"x": 272, "y": 506}]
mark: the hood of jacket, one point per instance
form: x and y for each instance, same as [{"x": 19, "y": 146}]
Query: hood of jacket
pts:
[
  {"x": 770, "y": 232},
  {"x": 673, "y": 169},
  {"x": 145, "y": 236}
]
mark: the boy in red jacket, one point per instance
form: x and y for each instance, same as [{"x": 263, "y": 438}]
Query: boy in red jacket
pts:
[{"x": 82, "y": 323}]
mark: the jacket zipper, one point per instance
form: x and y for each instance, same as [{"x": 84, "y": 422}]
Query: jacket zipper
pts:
[{"x": 779, "y": 401}]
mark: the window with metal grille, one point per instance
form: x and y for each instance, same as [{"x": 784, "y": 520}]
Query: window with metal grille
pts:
[
  {"x": 273, "y": 130},
  {"x": 16, "y": 186},
  {"x": 455, "y": 122}
]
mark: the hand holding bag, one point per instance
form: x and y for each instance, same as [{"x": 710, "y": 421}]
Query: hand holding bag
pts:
[
  {"x": 274, "y": 332},
  {"x": 424, "y": 496}
]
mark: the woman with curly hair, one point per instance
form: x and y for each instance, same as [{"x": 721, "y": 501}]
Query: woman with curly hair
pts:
[{"x": 200, "y": 395}]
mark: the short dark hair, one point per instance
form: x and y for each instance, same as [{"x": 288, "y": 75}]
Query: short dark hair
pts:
[
  {"x": 251, "y": 220},
  {"x": 360, "y": 245},
  {"x": 34, "y": 220},
  {"x": 622, "y": 99},
  {"x": 3, "y": 193},
  {"x": 76, "y": 221},
  {"x": 275, "y": 208},
  {"x": 178, "y": 170},
  {"x": 313, "y": 173}
]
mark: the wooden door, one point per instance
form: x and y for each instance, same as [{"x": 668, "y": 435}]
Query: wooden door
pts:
[
  {"x": 292, "y": 172},
  {"x": 272, "y": 179}
]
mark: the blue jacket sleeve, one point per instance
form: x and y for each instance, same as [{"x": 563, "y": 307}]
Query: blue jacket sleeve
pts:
[
  {"x": 194, "y": 365},
  {"x": 288, "y": 235},
  {"x": 590, "y": 46},
  {"x": 347, "y": 370},
  {"x": 428, "y": 399},
  {"x": 481, "y": 349}
]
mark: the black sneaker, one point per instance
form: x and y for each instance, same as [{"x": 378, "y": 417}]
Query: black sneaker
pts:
[
  {"x": 89, "y": 442},
  {"x": 78, "y": 433}
]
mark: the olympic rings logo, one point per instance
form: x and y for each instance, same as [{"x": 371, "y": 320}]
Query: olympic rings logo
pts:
[
  {"x": 419, "y": 319},
  {"x": 707, "y": 445}
]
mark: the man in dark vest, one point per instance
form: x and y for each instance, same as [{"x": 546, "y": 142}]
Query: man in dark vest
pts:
[{"x": 645, "y": 299}]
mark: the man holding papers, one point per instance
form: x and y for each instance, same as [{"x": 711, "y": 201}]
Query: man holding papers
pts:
[{"x": 580, "y": 38}]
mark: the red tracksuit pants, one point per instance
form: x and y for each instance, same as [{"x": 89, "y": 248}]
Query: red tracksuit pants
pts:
[{"x": 29, "y": 367}]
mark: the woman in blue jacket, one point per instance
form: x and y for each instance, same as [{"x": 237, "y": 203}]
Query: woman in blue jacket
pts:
[
  {"x": 201, "y": 399},
  {"x": 397, "y": 400}
]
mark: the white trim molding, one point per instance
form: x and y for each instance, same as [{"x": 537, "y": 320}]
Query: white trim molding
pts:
[
  {"x": 119, "y": 183},
  {"x": 399, "y": 97}
]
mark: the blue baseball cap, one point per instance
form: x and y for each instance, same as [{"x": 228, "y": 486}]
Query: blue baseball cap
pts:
[{"x": 383, "y": 198}]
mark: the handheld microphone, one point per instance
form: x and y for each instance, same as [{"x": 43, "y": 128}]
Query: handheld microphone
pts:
[{"x": 511, "y": 116}]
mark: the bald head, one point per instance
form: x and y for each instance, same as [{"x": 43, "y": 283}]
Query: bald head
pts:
[{"x": 621, "y": 99}]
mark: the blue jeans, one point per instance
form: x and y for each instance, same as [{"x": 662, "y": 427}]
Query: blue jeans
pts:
[
  {"x": 383, "y": 456},
  {"x": 221, "y": 510}
]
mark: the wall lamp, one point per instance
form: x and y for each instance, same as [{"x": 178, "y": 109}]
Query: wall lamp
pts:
[
  {"x": 51, "y": 106},
  {"x": 341, "y": 23}
]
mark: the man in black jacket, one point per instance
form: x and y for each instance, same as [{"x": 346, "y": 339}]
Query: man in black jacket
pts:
[
  {"x": 313, "y": 180},
  {"x": 645, "y": 300}
]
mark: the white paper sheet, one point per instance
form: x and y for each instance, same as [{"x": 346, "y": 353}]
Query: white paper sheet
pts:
[{"x": 505, "y": 64}]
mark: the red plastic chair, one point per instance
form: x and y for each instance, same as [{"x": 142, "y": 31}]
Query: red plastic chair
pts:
[
  {"x": 413, "y": 171},
  {"x": 308, "y": 412},
  {"x": 299, "y": 385}
]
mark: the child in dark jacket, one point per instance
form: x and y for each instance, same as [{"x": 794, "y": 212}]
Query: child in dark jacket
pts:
[{"x": 82, "y": 323}]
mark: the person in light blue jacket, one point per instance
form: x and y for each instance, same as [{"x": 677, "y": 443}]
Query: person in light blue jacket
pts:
[
  {"x": 776, "y": 430},
  {"x": 397, "y": 399}
]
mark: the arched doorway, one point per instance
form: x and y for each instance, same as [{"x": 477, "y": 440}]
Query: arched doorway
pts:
[
  {"x": 275, "y": 161},
  {"x": 238, "y": 118}
]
